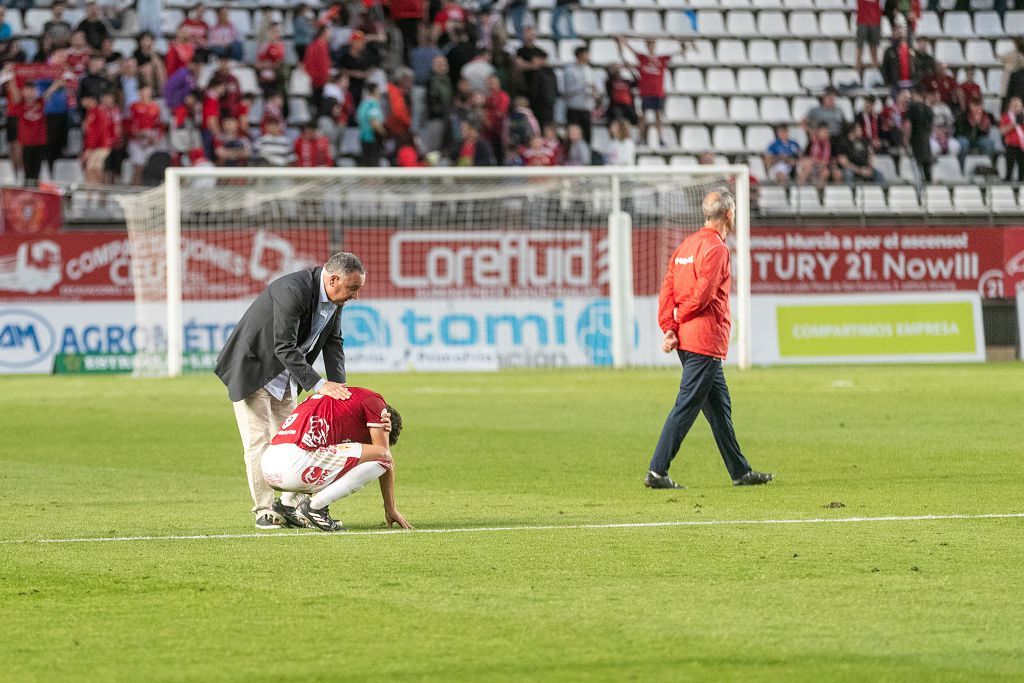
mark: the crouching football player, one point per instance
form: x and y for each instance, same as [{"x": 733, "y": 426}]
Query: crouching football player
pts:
[{"x": 330, "y": 448}]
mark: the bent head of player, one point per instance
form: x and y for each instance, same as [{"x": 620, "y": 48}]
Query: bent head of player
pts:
[
  {"x": 344, "y": 275},
  {"x": 396, "y": 425}
]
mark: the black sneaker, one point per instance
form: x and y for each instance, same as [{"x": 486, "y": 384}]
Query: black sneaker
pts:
[
  {"x": 267, "y": 522},
  {"x": 660, "y": 481},
  {"x": 753, "y": 478},
  {"x": 287, "y": 513},
  {"x": 318, "y": 519}
]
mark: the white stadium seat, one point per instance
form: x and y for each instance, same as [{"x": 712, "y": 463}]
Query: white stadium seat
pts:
[
  {"x": 834, "y": 25},
  {"x": 755, "y": 163},
  {"x": 988, "y": 25},
  {"x": 825, "y": 53},
  {"x": 711, "y": 109},
  {"x": 814, "y": 80},
  {"x": 871, "y": 199},
  {"x": 647, "y": 23},
  {"x": 772, "y": 199},
  {"x": 994, "y": 83},
  {"x": 701, "y": 52},
  {"x": 604, "y": 51},
  {"x": 979, "y": 53},
  {"x": 1002, "y": 200},
  {"x": 728, "y": 139},
  {"x": 950, "y": 52},
  {"x": 683, "y": 160},
  {"x": 740, "y": 24},
  {"x": 615, "y": 22},
  {"x": 679, "y": 109},
  {"x": 735, "y": 4},
  {"x": 844, "y": 76},
  {"x": 937, "y": 201},
  {"x": 743, "y": 110},
  {"x": 13, "y": 19},
  {"x": 758, "y": 138},
  {"x": 711, "y": 23},
  {"x": 783, "y": 81},
  {"x": 752, "y": 81},
  {"x": 721, "y": 80},
  {"x": 973, "y": 162},
  {"x": 678, "y": 24},
  {"x": 34, "y": 20},
  {"x": 696, "y": 139},
  {"x": 762, "y": 52},
  {"x": 803, "y": 25},
  {"x": 928, "y": 26},
  {"x": 689, "y": 81},
  {"x": 886, "y": 166},
  {"x": 567, "y": 48},
  {"x": 586, "y": 23},
  {"x": 768, "y": 4},
  {"x": 839, "y": 200},
  {"x": 650, "y": 159},
  {"x": 805, "y": 200},
  {"x": 775, "y": 110},
  {"x": 967, "y": 200},
  {"x": 1014, "y": 23},
  {"x": 957, "y": 25},
  {"x": 946, "y": 169},
  {"x": 793, "y": 53},
  {"x": 903, "y": 200},
  {"x": 802, "y": 105},
  {"x": 668, "y": 136},
  {"x": 772, "y": 24},
  {"x": 732, "y": 52}
]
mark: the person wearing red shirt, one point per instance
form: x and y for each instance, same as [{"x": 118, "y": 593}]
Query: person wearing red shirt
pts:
[
  {"x": 211, "y": 108},
  {"x": 693, "y": 313},
  {"x": 144, "y": 131},
  {"x": 869, "y": 31},
  {"x": 115, "y": 137},
  {"x": 1011, "y": 127},
  {"x": 270, "y": 65},
  {"x": 651, "y": 68},
  {"x": 194, "y": 28},
  {"x": 620, "y": 95},
  {"x": 495, "y": 111},
  {"x": 536, "y": 153},
  {"x": 407, "y": 15},
  {"x": 180, "y": 52},
  {"x": 312, "y": 149},
  {"x": 27, "y": 108},
  {"x": 96, "y": 142},
  {"x": 944, "y": 84},
  {"x": 331, "y": 448},
  {"x": 969, "y": 90},
  {"x": 317, "y": 63}
]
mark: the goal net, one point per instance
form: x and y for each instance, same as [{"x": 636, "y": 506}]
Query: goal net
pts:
[{"x": 467, "y": 269}]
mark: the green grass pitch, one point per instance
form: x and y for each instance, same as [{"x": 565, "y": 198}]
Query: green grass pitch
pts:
[{"x": 901, "y": 600}]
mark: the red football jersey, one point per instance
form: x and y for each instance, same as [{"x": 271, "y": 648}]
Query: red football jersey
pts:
[
  {"x": 31, "y": 123},
  {"x": 323, "y": 421},
  {"x": 652, "y": 75}
]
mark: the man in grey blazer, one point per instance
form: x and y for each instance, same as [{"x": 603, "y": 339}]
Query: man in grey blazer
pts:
[{"x": 269, "y": 357}]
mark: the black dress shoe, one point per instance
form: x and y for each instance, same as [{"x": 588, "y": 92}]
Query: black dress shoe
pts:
[
  {"x": 753, "y": 478},
  {"x": 660, "y": 481}
]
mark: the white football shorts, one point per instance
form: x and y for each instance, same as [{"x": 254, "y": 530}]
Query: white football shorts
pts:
[{"x": 288, "y": 467}]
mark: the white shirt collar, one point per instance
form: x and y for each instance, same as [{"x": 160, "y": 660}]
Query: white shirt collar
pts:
[{"x": 323, "y": 289}]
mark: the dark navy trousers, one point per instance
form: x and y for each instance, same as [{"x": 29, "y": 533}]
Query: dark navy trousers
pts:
[{"x": 702, "y": 388}]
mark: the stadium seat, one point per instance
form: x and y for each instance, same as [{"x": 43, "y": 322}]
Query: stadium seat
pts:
[
  {"x": 683, "y": 160},
  {"x": 751, "y": 81},
  {"x": 298, "y": 111},
  {"x": 988, "y": 25},
  {"x": 741, "y": 24},
  {"x": 825, "y": 53},
  {"x": 782, "y": 81},
  {"x": 758, "y": 138},
  {"x": 839, "y": 200},
  {"x": 34, "y": 20},
  {"x": 648, "y": 160},
  {"x": 806, "y": 201},
  {"x": 979, "y": 53},
  {"x": 871, "y": 200},
  {"x": 903, "y": 200},
  {"x": 615, "y": 22},
  {"x": 599, "y": 138},
  {"x": 701, "y": 52},
  {"x": 669, "y": 139},
  {"x": 586, "y": 23},
  {"x": 802, "y": 105},
  {"x": 762, "y": 52},
  {"x": 1014, "y": 23},
  {"x": 68, "y": 171},
  {"x": 689, "y": 81},
  {"x": 647, "y": 23},
  {"x": 756, "y": 165},
  {"x": 886, "y": 166},
  {"x": 6, "y": 171},
  {"x": 793, "y": 53},
  {"x": 299, "y": 83},
  {"x": 711, "y": 109},
  {"x": 834, "y": 25},
  {"x": 967, "y": 200},
  {"x": 803, "y": 25},
  {"x": 350, "y": 145},
  {"x": 973, "y": 162},
  {"x": 928, "y": 26},
  {"x": 767, "y": 4},
  {"x": 832, "y": 4},
  {"x": 30, "y": 48},
  {"x": 908, "y": 169},
  {"x": 937, "y": 201},
  {"x": 814, "y": 80},
  {"x": 957, "y": 25},
  {"x": 247, "y": 82},
  {"x": 735, "y": 4},
  {"x": 567, "y": 48},
  {"x": 946, "y": 169},
  {"x": 775, "y": 110},
  {"x": 679, "y": 24},
  {"x": 711, "y": 23},
  {"x": 743, "y": 110},
  {"x": 732, "y": 52},
  {"x": 13, "y": 19},
  {"x": 728, "y": 139},
  {"x": 1001, "y": 199},
  {"x": 604, "y": 51},
  {"x": 695, "y": 139},
  {"x": 721, "y": 81},
  {"x": 679, "y": 109},
  {"x": 950, "y": 52},
  {"x": 994, "y": 81},
  {"x": 772, "y": 24},
  {"x": 170, "y": 20},
  {"x": 772, "y": 199}
]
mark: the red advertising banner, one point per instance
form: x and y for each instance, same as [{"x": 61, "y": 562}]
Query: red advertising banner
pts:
[
  {"x": 30, "y": 212},
  {"x": 97, "y": 266}
]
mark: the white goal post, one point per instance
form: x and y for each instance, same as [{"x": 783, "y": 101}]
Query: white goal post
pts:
[{"x": 629, "y": 218}]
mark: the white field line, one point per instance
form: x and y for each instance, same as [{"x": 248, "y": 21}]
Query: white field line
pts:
[{"x": 546, "y": 527}]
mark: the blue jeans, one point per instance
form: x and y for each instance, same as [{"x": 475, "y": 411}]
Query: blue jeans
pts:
[
  {"x": 518, "y": 16},
  {"x": 852, "y": 178},
  {"x": 232, "y": 51},
  {"x": 562, "y": 14},
  {"x": 702, "y": 388},
  {"x": 982, "y": 145}
]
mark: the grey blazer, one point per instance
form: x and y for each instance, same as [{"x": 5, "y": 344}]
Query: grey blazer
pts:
[{"x": 267, "y": 338}]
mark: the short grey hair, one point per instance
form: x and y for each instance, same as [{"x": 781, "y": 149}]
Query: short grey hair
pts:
[
  {"x": 401, "y": 73},
  {"x": 717, "y": 205},
  {"x": 344, "y": 263}
]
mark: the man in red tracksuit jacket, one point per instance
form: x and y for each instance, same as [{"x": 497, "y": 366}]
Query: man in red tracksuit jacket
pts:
[{"x": 693, "y": 312}]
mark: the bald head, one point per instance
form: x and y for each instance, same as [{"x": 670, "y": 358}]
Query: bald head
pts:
[{"x": 719, "y": 210}]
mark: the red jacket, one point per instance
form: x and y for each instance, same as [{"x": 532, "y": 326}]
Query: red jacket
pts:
[
  {"x": 318, "y": 62},
  {"x": 694, "y": 299}
]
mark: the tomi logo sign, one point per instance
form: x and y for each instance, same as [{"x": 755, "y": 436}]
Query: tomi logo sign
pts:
[{"x": 494, "y": 261}]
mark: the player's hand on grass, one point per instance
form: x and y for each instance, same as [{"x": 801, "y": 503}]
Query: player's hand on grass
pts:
[
  {"x": 336, "y": 390},
  {"x": 392, "y": 517},
  {"x": 670, "y": 343}
]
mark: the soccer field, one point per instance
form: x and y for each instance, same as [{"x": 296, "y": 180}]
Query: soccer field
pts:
[{"x": 497, "y": 456}]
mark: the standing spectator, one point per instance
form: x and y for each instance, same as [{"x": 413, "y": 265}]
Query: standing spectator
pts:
[
  {"x": 149, "y": 13},
  {"x": 304, "y": 29},
  {"x": 180, "y": 84},
  {"x": 474, "y": 150},
  {"x": 339, "y": 91},
  {"x": 185, "y": 133},
  {"x": 903, "y": 12},
  {"x": 1011, "y": 127},
  {"x": 273, "y": 147},
  {"x": 925, "y": 65},
  {"x": 782, "y": 155},
  {"x": 478, "y": 70},
  {"x": 496, "y": 110},
  {"x": 317, "y": 62},
  {"x": 621, "y": 150},
  {"x": 652, "y": 84},
  {"x": 408, "y": 16},
  {"x": 127, "y": 83},
  {"x": 693, "y": 313},
  {"x": 144, "y": 131},
  {"x": 57, "y": 109},
  {"x": 115, "y": 133},
  {"x": 973, "y": 131},
  {"x": 516, "y": 10},
  {"x": 96, "y": 140},
  {"x": 398, "y": 122},
  {"x": 270, "y": 64},
  {"x": 826, "y": 114},
  {"x": 151, "y": 65},
  {"x": 95, "y": 82},
  {"x": 917, "y": 131},
  {"x": 816, "y": 164},
  {"x": 56, "y": 31},
  {"x": 439, "y": 105},
  {"x": 93, "y": 26},
  {"x": 355, "y": 62},
  {"x": 856, "y": 160},
  {"x": 621, "y": 104},
  {"x": 869, "y": 32},
  {"x": 868, "y": 119},
  {"x": 312, "y": 150},
  {"x": 1012, "y": 61},
  {"x": 212, "y": 109},
  {"x": 541, "y": 84},
  {"x": 561, "y": 20},
  {"x": 370, "y": 119},
  {"x": 194, "y": 28},
  {"x": 222, "y": 39},
  {"x": 580, "y": 92},
  {"x": 230, "y": 148},
  {"x": 898, "y": 63},
  {"x": 579, "y": 153},
  {"x": 28, "y": 110},
  {"x": 180, "y": 52}
]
